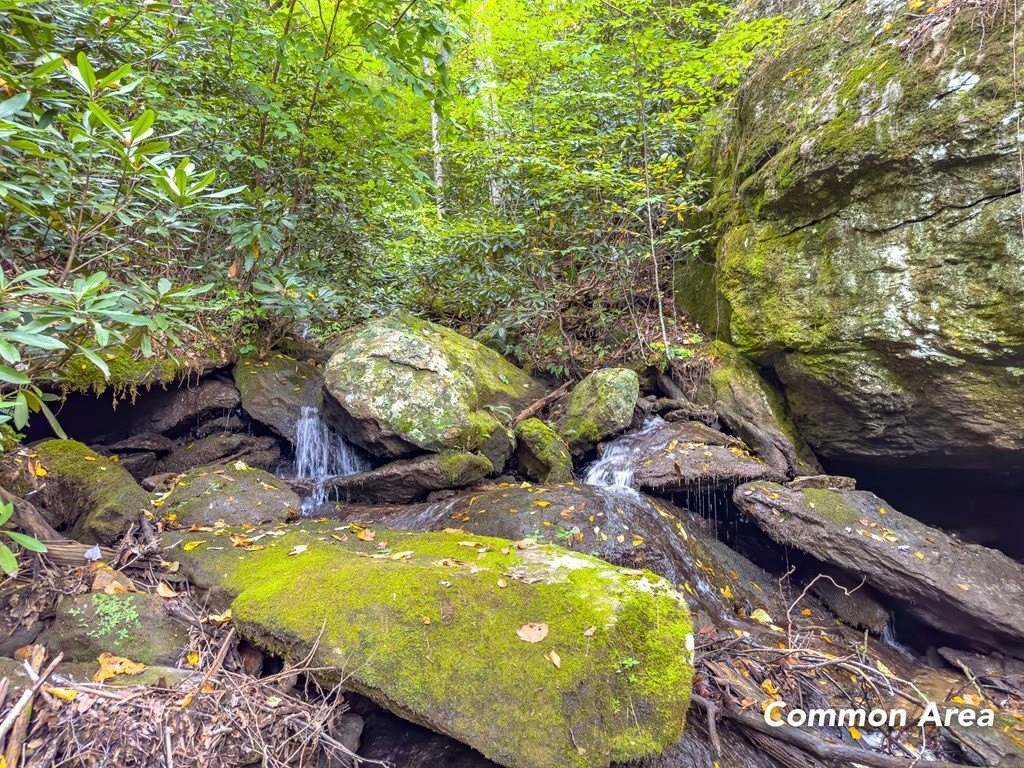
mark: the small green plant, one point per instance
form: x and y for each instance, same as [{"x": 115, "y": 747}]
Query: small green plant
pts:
[
  {"x": 8, "y": 561},
  {"x": 115, "y": 616}
]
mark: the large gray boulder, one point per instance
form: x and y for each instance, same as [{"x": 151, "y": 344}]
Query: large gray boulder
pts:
[
  {"x": 960, "y": 589},
  {"x": 397, "y": 386},
  {"x": 234, "y": 493},
  {"x": 868, "y": 203}
]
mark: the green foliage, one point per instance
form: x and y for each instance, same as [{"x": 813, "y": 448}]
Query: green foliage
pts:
[{"x": 8, "y": 562}]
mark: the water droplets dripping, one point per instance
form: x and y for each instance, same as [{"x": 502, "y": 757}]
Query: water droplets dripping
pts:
[{"x": 320, "y": 453}]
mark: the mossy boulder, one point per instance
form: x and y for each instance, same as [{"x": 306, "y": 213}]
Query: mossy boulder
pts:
[
  {"x": 541, "y": 454},
  {"x": 755, "y": 411},
  {"x": 234, "y": 493},
  {"x": 135, "y": 626},
  {"x": 397, "y": 386},
  {"x": 720, "y": 586},
  {"x": 869, "y": 248},
  {"x": 275, "y": 389},
  {"x": 599, "y": 406},
  {"x": 408, "y": 480},
  {"x": 427, "y": 624},
  {"x": 78, "y": 490}
]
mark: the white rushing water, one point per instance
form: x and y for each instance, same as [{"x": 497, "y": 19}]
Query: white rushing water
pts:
[
  {"x": 320, "y": 453},
  {"x": 615, "y": 469}
]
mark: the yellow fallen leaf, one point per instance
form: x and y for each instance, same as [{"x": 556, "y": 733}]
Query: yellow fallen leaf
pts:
[
  {"x": 192, "y": 545},
  {"x": 426, "y": 620},
  {"x": 727, "y": 592},
  {"x": 89, "y": 458},
  {"x": 40, "y": 470},
  {"x": 64, "y": 694},
  {"x": 542, "y": 504},
  {"x": 366, "y": 534},
  {"x": 854, "y": 733},
  {"x": 401, "y": 555},
  {"x": 192, "y": 658},
  {"x": 769, "y": 687},
  {"x": 111, "y": 665},
  {"x": 184, "y": 702},
  {"x": 806, "y": 612},
  {"x": 760, "y": 615},
  {"x": 502, "y": 583},
  {"x": 919, "y": 556},
  {"x": 555, "y": 659},
  {"x": 239, "y": 540},
  {"x": 164, "y": 590},
  {"x": 220, "y": 618},
  {"x": 964, "y": 587}
]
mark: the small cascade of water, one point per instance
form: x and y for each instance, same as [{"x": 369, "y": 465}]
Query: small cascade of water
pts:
[
  {"x": 320, "y": 453},
  {"x": 615, "y": 469}
]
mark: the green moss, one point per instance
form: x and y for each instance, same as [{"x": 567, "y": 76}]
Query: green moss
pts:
[
  {"x": 458, "y": 466},
  {"x": 541, "y": 452},
  {"x": 126, "y": 372},
  {"x": 91, "y": 492},
  {"x": 830, "y": 505},
  {"x": 599, "y": 406},
  {"x": 432, "y": 635}
]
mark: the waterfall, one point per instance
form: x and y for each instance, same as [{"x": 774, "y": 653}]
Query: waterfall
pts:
[
  {"x": 320, "y": 453},
  {"x": 614, "y": 470}
]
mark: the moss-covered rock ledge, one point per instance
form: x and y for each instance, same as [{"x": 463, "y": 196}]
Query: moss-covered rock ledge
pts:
[{"x": 427, "y": 625}]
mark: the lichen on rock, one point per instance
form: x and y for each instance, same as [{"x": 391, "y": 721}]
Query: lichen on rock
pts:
[{"x": 398, "y": 385}]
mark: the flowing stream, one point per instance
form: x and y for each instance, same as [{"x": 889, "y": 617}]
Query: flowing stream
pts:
[
  {"x": 615, "y": 469},
  {"x": 320, "y": 453}
]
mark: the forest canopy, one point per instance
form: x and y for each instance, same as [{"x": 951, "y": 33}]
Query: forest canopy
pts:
[{"x": 226, "y": 173}]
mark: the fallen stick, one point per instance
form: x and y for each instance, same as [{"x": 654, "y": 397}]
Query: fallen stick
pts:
[
  {"x": 538, "y": 405},
  {"x": 26, "y": 698},
  {"x": 60, "y": 550},
  {"x": 819, "y": 748}
]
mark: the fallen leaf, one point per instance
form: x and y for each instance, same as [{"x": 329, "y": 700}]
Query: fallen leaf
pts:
[
  {"x": 555, "y": 659},
  {"x": 589, "y": 632},
  {"x": 192, "y": 658},
  {"x": 111, "y": 665},
  {"x": 964, "y": 587},
  {"x": 220, "y": 618},
  {"x": 164, "y": 590},
  {"x": 426, "y": 619},
  {"x": 502, "y": 583},
  {"x": 192, "y": 545},
  {"x": 761, "y": 616},
  {"x": 542, "y": 504},
  {"x": 366, "y": 534},
  {"x": 854, "y": 733},
  {"x": 919, "y": 556},
  {"x": 40, "y": 470},
  {"x": 64, "y": 694},
  {"x": 298, "y": 549},
  {"x": 806, "y": 612},
  {"x": 533, "y": 632},
  {"x": 401, "y": 555}
]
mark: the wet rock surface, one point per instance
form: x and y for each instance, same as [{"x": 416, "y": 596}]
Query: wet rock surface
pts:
[
  {"x": 233, "y": 493},
  {"x": 411, "y": 480},
  {"x": 274, "y": 390},
  {"x": 174, "y": 412},
  {"x": 959, "y": 589},
  {"x": 674, "y": 457},
  {"x": 631, "y": 531}
]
